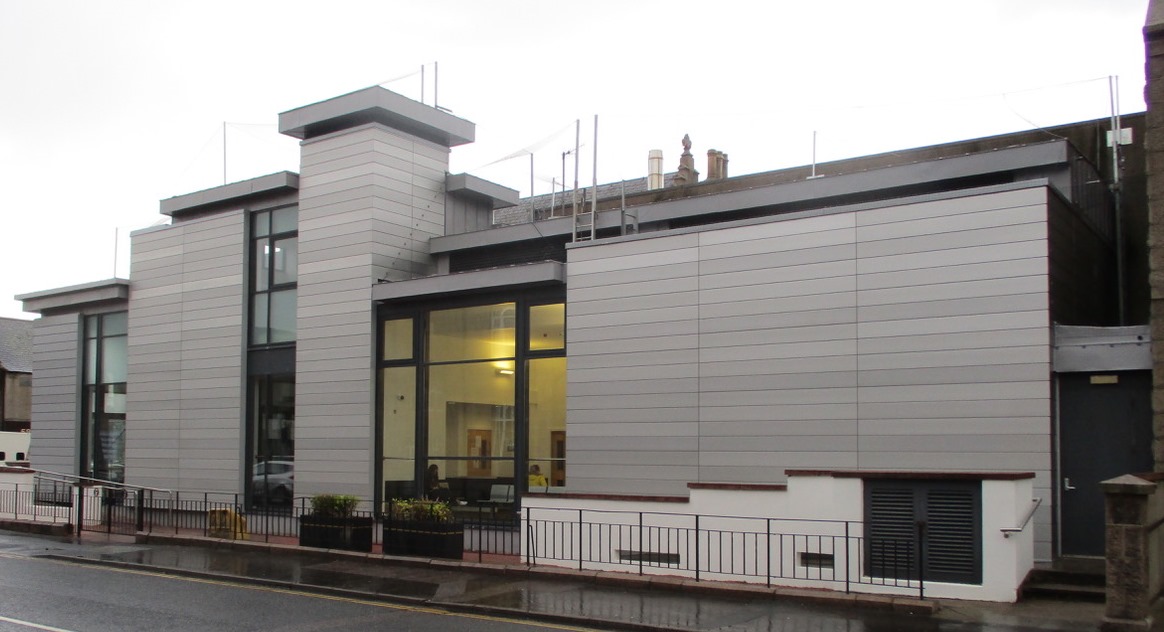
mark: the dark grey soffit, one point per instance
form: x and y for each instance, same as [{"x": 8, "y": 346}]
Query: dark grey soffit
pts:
[
  {"x": 240, "y": 192},
  {"x": 377, "y": 105},
  {"x": 474, "y": 188},
  {"x": 531, "y": 274},
  {"x": 76, "y": 297},
  {"x": 956, "y": 167},
  {"x": 1086, "y": 349}
]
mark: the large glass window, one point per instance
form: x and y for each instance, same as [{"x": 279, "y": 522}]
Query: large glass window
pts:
[
  {"x": 547, "y": 422},
  {"x": 490, "y": 409},
  {"x": 272, "y": 417},
  {"x": 274, "y": 274},
  {"x": 103, "y": 421}
]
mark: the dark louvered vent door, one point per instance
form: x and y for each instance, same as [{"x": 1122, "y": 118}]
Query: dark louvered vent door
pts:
[
  {"x": 951, "y": 544},
  {"x": 890, "y": 524}
]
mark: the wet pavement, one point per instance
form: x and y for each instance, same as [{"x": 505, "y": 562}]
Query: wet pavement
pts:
[{"x": 515, "y": 591}]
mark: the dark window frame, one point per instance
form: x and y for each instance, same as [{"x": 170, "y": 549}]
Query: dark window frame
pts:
[
  {"x": 266, "y": 288},
  {"x": 94, "y": 391},
  {"x": 418, "y": 311}
]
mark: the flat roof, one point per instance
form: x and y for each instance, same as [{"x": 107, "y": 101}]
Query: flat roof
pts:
[
  {"x": 75, "y": 296},
  {"x": 831, "y": 189},
  {"x": 235, "y": 192},
  {"x": 377, "y": 105},
  {"x": 470, "y": 186}
]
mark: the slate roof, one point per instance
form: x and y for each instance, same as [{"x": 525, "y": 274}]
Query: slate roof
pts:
[{"x": 16, "y": 345}]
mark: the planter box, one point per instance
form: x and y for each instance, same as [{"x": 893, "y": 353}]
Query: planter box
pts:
[
  {"x": 348, "y": 534},
  {"x": 424, "y": 539}
]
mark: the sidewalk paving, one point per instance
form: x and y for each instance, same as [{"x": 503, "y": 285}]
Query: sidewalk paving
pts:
[{"x": 602, "y": 600}]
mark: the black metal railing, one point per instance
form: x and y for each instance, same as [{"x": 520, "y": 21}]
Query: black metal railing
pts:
[
  {"x": 487, "y": 530},
  {"x": 836, "y": 553}
]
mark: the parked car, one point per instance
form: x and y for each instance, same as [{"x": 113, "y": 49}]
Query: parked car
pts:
[{"x": 273, "y": 482}]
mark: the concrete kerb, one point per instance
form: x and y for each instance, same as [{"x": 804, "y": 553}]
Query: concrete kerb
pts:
[
  {"x": 56, "y": 529},
  {"x": 647, "y": 582}
]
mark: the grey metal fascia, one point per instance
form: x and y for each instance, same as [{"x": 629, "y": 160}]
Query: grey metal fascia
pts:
[
  {"x": 503, "y": 235},
  {"x": 1009, "y": 159},
  {"x": 1033, "y": 183},
  {"x": 542, "y": 273},
  {"x": 1155, "y": 20},
  {"x": 75, "y": 296},
  {"x": 376, "y": 105},
  {"x": 472, "y": 187},
  {"x": 1086, "y": 349},
  {"x": 283, "y": 181}
]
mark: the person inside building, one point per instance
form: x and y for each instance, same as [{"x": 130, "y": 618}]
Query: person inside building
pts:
[
  {"x": 432, "y": 483},
  {"x": 536, "y": 478}
]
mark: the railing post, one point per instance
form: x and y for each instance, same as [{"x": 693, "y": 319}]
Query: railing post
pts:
[
  {"x": 579, "y": 539},
  {"x": 205, "y": 514},
  {"x": 141, "y": 510},
  {"x": 848, "y": 552},
  {"x": 696, "y": 547},
  {"x": 80, "y": 508},
  {"x": 768, "y": 550},
  {"x": 16, "y": 503},
  {"x": 531, "y": 554},
  {"x": 921, "y": 559},
  {"x": 175, "y": 498},
  {"x": 642, "y": 548}
]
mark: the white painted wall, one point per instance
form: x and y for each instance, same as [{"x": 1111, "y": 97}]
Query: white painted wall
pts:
[
  {"x": 822, "y": 509},
  {"x": 13, "y": 443}
]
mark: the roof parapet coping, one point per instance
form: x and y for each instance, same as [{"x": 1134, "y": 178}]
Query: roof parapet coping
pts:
[
  {"x": 529, "y": 274},
  {"x": 235, "y": 192},
  {"x": 75, "y": 297},
  {"x": 377, "y": 105},
  {"x": 469, "y": 186},
  {"x": 859, "y": 181}
]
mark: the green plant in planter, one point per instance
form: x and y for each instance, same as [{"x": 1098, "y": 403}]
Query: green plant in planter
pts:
[
  {"x": 332, "y": 525},
  {"x": 407, "y": 509},
  {"x": 422, "y": 527},
  {"x": 334, "y": 505}
]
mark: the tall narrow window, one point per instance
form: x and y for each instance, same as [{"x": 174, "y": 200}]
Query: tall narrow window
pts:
[
  {"x": 103, "y": 421},
  {"x": 274, "y": 274}
]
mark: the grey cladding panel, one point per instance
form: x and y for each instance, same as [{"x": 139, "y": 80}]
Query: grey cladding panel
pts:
[{"x": 932, "y": 315}]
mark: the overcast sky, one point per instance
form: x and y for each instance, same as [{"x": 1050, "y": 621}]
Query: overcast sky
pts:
[{"x": 107, "y": 107}]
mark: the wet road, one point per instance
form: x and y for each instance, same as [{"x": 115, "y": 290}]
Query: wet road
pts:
[
  {"x": 41, "y": 594},
  {"x": 40, "y": 584}
]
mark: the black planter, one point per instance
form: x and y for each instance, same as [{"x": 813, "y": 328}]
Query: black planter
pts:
[
  {"x": 424, "y": 539},
  {"x": 349, "y": 534}
]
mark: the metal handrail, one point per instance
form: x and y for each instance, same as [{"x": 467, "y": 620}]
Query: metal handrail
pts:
[
  {"x": 78, "y": 478},
  {"x": 1009, "y": 531}
]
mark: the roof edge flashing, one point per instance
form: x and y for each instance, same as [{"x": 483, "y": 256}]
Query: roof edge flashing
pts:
[
  {"x": 270, "y": 185},
  {"x": 377, "y": 105},
  {"x": 75, "y": 297}
]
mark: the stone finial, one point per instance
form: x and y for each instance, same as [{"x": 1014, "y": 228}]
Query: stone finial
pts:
[{"x": 687, "y": 173}]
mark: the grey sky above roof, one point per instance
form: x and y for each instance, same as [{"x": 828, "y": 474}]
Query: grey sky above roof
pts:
[
  {"x": 179, "y": 97},
  {"x": 16, "y": 345}
]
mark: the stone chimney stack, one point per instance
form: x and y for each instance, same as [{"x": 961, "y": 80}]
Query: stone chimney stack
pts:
[
  {"x": 716, "y": 165},
  {"x": 687, "y": 173}
]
